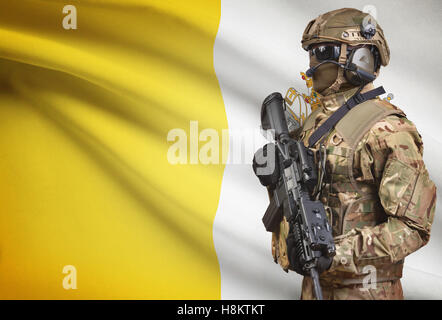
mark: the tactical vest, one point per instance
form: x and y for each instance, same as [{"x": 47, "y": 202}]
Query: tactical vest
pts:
[
  {"x": 349, "y": 203},
  {"x": 341, "y": 145}
]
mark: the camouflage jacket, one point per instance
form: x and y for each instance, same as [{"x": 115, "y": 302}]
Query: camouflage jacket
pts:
[{"x": 385, "y": 210}]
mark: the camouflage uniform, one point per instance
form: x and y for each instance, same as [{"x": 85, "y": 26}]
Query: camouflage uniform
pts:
[
  {"x": 381, "y": 214},
  {"x": 376, "y": 191}
]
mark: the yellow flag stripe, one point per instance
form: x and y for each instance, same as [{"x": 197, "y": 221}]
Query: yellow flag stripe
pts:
[{"x": 84, "y": 175}]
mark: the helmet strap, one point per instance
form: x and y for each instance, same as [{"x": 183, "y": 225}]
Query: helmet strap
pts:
[{"x": 340, "y": 79}]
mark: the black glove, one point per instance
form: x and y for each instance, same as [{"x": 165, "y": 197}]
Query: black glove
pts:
[
  {"x": 297, "y": 262},
  {"x": 323, "y": 264}
]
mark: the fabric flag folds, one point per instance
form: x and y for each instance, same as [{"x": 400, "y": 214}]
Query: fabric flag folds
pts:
[{"x": 84, "y": 176}]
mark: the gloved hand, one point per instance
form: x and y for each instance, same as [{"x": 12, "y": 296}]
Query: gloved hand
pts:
[
  {"x": 297, "y": 262},
  {"x": 323, "y": 264}
]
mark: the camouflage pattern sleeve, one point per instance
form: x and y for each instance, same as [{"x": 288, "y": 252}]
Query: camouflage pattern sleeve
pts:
[{"x": 392, "y": 153}]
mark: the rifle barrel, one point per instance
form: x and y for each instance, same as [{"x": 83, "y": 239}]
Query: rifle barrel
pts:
[{"x": 316, "y": 285}]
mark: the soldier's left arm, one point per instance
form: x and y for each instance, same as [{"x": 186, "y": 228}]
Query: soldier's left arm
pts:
[{"x": 392, "y": 157}]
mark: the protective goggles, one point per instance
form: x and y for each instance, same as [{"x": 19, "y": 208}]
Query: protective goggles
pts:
[{"x": 326, "y": 52}]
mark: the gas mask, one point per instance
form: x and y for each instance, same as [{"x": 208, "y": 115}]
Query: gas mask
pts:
[
  {"x": 324, "y": 76},
  {"x": 336, "y": 68}
]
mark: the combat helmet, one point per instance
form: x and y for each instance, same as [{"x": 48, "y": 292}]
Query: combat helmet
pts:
[
  {"x": 360, "y": 48},
  {"x": 350, "y": 26}
]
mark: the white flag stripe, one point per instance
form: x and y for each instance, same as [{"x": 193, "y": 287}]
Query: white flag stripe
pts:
[{"x": 257, "y": 51}]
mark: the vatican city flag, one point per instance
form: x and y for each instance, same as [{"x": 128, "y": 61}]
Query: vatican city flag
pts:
[{"x": 127, "y": 132}]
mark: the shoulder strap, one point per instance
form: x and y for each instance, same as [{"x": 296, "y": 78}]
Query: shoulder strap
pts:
[
  {"x": 359, "y": 120},
  {"x": 356, "y": 99}
]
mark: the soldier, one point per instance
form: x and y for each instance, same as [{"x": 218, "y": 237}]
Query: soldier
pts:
[{"x": 376, "y": 190}]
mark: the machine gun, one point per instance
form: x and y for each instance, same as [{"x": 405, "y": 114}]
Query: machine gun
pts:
[{"x": 287, "y": 169}]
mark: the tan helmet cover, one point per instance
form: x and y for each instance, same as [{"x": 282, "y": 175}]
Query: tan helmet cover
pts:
[{"x": 344, "y": 26}]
